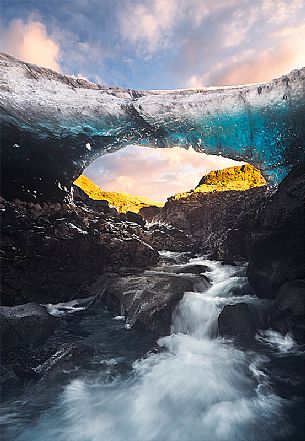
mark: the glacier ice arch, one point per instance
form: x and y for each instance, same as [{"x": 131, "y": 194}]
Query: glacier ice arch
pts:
[{"x": 53, "y": 126}]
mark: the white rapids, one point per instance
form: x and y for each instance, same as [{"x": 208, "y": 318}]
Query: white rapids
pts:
[{"x": 198, "y": 387}]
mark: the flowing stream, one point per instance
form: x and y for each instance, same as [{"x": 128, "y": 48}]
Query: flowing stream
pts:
[{"x": 195, "y": 386}]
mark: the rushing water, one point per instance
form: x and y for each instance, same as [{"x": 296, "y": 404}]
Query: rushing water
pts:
[{"x": 196, "y": 387}]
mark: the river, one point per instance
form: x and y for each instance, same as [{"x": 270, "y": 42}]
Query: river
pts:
[{"x": 189, "y": 386}]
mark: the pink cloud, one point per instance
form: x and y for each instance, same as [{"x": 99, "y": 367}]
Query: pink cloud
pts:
[
  {"x": 154, "y": 173},
  {"x": 271, "y": 63},
  {"x": 30, "y": 42},
  {"x": 277, "y": 49}
]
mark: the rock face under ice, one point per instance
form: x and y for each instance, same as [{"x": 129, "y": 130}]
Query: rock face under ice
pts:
[{"x": 53, "y": 125}]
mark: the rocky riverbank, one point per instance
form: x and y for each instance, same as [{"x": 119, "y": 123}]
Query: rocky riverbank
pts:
[
  {"x": 37, "y": 345},
  {"x": 219, "y": 213},
  {"x": 51, "y": 252},
  {"x": 255, "y": 224},
  {"x": 54, "y": 253}
]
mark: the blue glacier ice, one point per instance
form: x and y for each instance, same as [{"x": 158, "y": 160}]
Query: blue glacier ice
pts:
[{"x": 61, "y": 124}]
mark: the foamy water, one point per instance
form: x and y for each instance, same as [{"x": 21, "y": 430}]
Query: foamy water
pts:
[{"x": 198, "y": 387}]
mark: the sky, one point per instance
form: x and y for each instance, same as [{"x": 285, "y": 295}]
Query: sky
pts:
[
  {"x": 157, "y": 44},
  {"x": 153, "y": 173}
]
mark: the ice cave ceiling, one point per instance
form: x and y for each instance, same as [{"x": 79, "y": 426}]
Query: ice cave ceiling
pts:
[{"x": 53, "y": 126}]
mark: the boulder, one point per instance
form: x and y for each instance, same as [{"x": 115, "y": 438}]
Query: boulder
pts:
[
  {"x": 147, "y": 300},
  {"x": 288, "y": 313},
  {"x": 194, "y": 269},
  {"x": 25, "y": 326},
  {"x": 68, "y": 357},
  {"x": 238, "y": 322},
  {"x": 277, "y": 245},
  {"x": 136, "y": 218},
  {"x": 228, "y": 262}
]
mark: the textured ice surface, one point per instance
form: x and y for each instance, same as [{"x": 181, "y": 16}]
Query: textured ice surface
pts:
[{"x": 262, "y": 124}]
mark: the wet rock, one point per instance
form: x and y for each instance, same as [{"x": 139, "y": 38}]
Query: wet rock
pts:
[
  {"x": 228, "y": 262},
  {"x": 136, "y": 218},
  {"x": 8, "y": 379},
  {"x": 25, "y": 373},
  {"x": 194, "y": 269},
  {"x": 146, "y": 300},
  {"x": 167, "y": 237},
  {"x": 277, "y": 245},
  {"x": 68, "y": 357},
  {"x": 122, "y": 217},
  {"x": 288, "y": 313},
  {"x": 24, "y": 326},
  {"x": 238, "y": 322},
  {"x": 114, "y": 212}
]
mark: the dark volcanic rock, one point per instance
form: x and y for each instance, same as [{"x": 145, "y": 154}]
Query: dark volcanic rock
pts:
[
  {"x": 238, "y": 321},
  {"x": 216, "y": 222},
  {"x": 228, "y": 262},
  {"x": 68, "y": 357},
  {"x": 80, "y": 198},
  {"x": 194, "y": 269},
  {"x": 288, "y": 314},
  {"x": 136, "y": 218},
  {"x": 149, "y": 213},
  {"x": 146, "y": 300},
  {"x": 167, "y": 237},
  {"x": 277, "y": 246},
  {"x": 24, "y": 326},
  {"x": 51, "y": 252}
]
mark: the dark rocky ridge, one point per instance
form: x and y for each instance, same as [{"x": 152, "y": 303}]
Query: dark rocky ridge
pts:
[
  {"x": 51, "y": 252},
  {"x": 289, "y": 310},
  {"x": 217, "y": 222},
  {"x": 276, "y": 246}
]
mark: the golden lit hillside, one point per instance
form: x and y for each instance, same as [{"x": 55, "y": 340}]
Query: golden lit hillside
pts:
[
  {"x": 123, "y": 202},
  {"x": 237, "y": 178}
]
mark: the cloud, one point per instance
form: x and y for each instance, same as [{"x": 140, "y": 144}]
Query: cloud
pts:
[
  {"x": 153, "y": 25},
  {"x": 148, "y": 26},
  {"x": 29, "y": 41},
  {"x": 154, "y": 173},
  {"x": 147, "y": 44},
  {"x": 79, "y": 57},
  {"x": 251, "y": 66}
]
